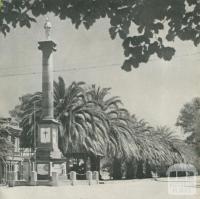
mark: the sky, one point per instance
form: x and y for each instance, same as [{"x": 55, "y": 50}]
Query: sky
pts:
[{"x": 155, "y": 91}]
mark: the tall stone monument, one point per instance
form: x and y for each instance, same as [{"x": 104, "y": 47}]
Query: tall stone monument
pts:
[{"x": 48, "y": 155}]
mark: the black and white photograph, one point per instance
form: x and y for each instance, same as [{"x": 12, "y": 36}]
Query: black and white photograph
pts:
[{"x": 99, "y": 99}]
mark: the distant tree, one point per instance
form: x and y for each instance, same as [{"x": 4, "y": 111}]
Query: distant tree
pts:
[
  {"x": 188, "y": 120},
  {"x": 197, "y": 134},
  {"x": 147, "y": 18}
]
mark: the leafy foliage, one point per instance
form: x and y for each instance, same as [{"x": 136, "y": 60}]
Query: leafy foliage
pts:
[
  {"x": 189, "y": 121},
  {"x": 189, "y": 117},
  {"x": 148, "y": 18},
  {"x": 6, "y": 147}
]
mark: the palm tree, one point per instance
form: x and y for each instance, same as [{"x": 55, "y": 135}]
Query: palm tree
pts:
[
  {"x": 95, "y": 124},
  {"x": 84, "y": 126},
  {"x": 156, "y": 147},
  {"x": 28, "y": 114},
  {"x": 121, "y": 138},
  {"x": 170, "y": 143},
  {"x": 97, "y": 95},
  {"x": 163, "y": 147},
  {"x": 135, "y": 165}
]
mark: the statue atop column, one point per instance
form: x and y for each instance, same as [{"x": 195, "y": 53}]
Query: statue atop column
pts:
[{"x": 47, "y": 27}]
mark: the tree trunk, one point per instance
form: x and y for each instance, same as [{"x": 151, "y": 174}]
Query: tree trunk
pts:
[
  {"x": 95, "y": 163},
  {"x": 140, "y": 170},
  {"x": 87, "y": 164},
  {"x": 148, "y": 170},
  {"x": 131, "y": 169},
  {"x": 117, "y": 171}
]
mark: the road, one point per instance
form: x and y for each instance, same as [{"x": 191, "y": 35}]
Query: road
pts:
[{"x": 133, "y": 189}]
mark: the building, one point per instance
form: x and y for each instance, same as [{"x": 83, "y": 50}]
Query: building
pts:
[{"x": 10, "y": 132}]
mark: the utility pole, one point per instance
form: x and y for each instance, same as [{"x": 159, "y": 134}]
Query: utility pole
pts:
[{"x": 35, "y": 137}]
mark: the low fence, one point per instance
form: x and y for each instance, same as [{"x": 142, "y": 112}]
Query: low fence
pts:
[{"x": 56, "y": 180}]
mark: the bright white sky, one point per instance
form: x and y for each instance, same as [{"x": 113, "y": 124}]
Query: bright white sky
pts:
[{"x": 156, "y": 91}]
